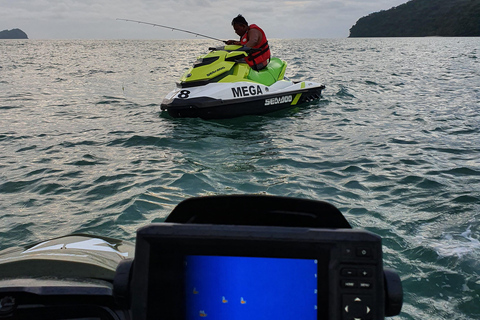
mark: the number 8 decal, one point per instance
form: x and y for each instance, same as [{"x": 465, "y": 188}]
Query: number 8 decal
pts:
[{"x": 184, "y": 94}]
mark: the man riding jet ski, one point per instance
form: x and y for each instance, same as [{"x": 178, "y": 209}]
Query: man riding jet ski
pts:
[
  {"x": 238, "y": 79},
  {"x": 253, "y": 37}
]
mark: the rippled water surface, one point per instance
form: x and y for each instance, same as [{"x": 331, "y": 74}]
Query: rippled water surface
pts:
[{"x": 394, "y": 143}]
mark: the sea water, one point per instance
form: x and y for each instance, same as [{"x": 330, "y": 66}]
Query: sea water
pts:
[{"x": 394, "y": 143}]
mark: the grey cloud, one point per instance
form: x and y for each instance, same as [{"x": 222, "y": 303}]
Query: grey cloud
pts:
[{"x": 96, "y": 19}]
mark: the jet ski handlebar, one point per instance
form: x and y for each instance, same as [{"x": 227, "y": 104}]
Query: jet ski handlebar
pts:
[{"x": 234, "y": 48}]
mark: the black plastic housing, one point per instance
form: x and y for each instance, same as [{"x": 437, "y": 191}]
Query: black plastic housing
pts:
[{"x": 350, "y": 275}]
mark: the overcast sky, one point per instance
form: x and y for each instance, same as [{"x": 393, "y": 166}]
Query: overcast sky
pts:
[{"x": 96, "y": 19}]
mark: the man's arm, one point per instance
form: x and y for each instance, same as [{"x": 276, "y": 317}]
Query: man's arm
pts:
[
  {"x": 238, "y": 43},
  {"x": 254, "y": 38}
]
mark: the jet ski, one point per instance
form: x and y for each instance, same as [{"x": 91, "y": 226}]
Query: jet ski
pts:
[{"x": 221, "y": 85}]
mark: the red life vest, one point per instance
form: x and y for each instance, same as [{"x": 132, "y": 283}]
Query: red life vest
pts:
[{"x": 259, "y": 57}]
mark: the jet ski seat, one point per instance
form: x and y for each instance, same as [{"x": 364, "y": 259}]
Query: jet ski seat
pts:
[{"x": 272, "y": 73}]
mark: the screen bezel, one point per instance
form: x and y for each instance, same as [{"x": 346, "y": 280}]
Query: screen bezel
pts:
[{"x": 165, "y": 287}]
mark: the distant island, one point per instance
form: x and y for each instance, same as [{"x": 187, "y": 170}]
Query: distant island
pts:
[
  {"x": 422, "y": 18},
  {"x": 13, "y": 34}
]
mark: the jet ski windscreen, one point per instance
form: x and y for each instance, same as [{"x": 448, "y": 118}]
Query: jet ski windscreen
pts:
[{"x": 227, "y": 287}]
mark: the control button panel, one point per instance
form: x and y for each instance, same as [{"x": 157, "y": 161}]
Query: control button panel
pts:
[{"x": 357, "y": 289}]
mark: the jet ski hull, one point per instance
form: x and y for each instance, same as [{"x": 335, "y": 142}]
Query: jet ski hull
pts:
[{"x": 249, "y": 103}]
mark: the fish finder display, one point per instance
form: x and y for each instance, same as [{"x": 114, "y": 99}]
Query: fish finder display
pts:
[{"x": 226, "y": 287}]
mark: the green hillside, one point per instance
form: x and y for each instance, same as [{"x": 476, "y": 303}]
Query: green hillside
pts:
[{"x": 423, "y": 18}]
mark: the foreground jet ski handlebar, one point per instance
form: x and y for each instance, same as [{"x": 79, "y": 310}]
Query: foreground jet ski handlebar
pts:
[{"x": 252, "y": 256}]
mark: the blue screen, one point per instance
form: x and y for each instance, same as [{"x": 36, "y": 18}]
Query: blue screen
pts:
[{"x": 223, "y": 287}]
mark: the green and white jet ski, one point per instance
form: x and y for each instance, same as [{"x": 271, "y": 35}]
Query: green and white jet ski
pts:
[{"x": 220, "y": 85}]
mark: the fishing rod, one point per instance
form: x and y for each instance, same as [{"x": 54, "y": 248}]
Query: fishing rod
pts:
[{"x": 172, "y": 28}]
